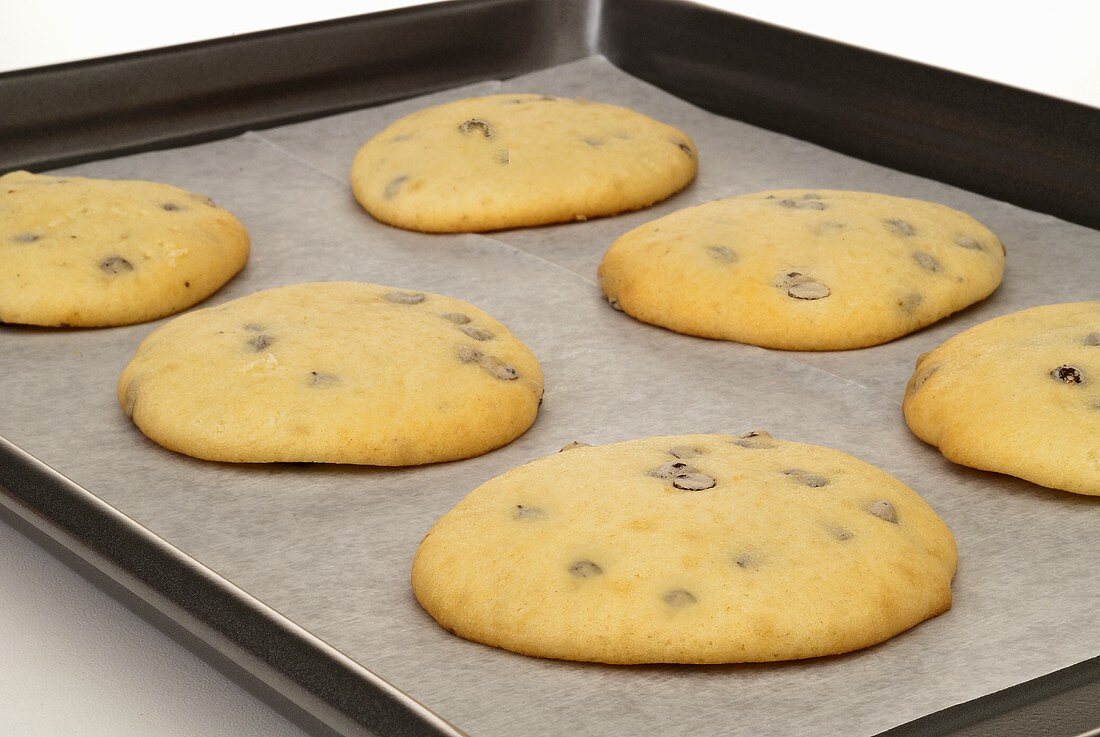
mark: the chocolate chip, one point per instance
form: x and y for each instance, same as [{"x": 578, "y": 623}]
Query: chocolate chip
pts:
[
  {"x": 671, "y": 469},
  {"x": 693, "y": 482},
  {"x": 469, "y": 355},
  {"x": 1068, "y": 375},
  {"x": 809, "y": 290},
  {"x": 926, "y": 261},
  {"x": 522, "y": 512},
  {"x": 722, "y": 253},
  {"x": 317, "y": 378},
  {"x": 805, "y": 477},
  {"x": 497, "y": 368},
  {"x": 404, "y": 298},
  {"x": 253, "y": 327},
  {"x": 170, "y": 207},
  {"x": 969, "y": 243},
  {"x": 756, "y": 440},
  {"x": 884, "y": 510},
  {"x": 476, "y": 333},
  {"x": 456, "y": 317},
  {"x": 203, "y": 199},
  {"x": 261, "y": 342},
  {"x": 115, "y": 265},
  {"x": 501, "y": 157},
  {"x": 802, "y": 204},
  {"x": 1092, "y": 339},
  {"x": 925, "y": 376},
  {"x": 594, "y": 142},
  {"x": 748, "y": 562},
  {"x": 679, "y": 598},
  {"x": 574, "y": 445},
  {"x": 811, "y": 196},
  {"x": 900, "y": 227},
  {"x": 473, "y": 125},
  {"x": 394, "y": 186},
  {"x": 789, "y": 279},
  {"x": 911, "y": 301},
  {"x": 614, "y": 304},
  {"x": 841, "y": 534},
  {"x": 130, "y": 397},
  {"x": 684, "y": 451},
  {"x": 686, "y": 149},
  {"x": 584, "y": 569},
  {"x": 26, "y": 238}
]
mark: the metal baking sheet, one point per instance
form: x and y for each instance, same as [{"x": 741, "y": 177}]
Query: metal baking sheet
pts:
[{"x": 329, "y": 547}]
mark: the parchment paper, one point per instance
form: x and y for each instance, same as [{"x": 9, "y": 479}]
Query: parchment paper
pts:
[{"x": 330, "y": 546}]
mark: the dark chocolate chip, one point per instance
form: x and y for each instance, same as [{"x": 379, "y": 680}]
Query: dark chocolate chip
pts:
[
  {"x": 1092, "y": 339},
  {"x": 26, "y": 238},
  {"x": 809, "y": 290},
  {"x": 584, "y": 569},
  {"x": 805, "y": 477},
  {"x": 898, "y": 226},
  {"x": 475, "y": 332},
  {"x": 671, "y": 470},
  {"x": 456, "y": 317},
  {"x": 523, "y": 512},
  {"x": 260, "y": 342},
  {"x": 693, "y": 482},
  {"x": 394, "y": 186},
  {"x": 926, "y": 261},
  {"x": 722, "y": 253},
  {"x": 473, "y": 125},
  {"x": 884, "y": 510},
  {"x": 679, "y": 598},
  {"x": 1068, "y": 375},
  {"x": 803, "y": 204},
  {"x": 574, "y": 445},
  {"x": 317, "y": 378},
  {"x": 756, "y": 440},
  {"x": 968, "y": 243},
  {"x": 170, "y": 207},
  {"x": 404, "y": 298},
  {"x": 115, "y": 265}
]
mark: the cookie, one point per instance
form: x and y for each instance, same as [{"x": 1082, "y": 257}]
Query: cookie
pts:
[
  {"x": 95, "y": 252},
  {"x": 506, "y": 161},
  {"x": 687, "y": 549},
  {"x": 336, "y": 373},
  {"x": 803, "y": 270},
  {"x": 1019, "y": 395}
]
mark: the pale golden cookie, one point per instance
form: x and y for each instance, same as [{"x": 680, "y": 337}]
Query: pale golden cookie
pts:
[
  {"x": 687, "y": 549},
  {"x": 803, "y": 270},
  {"x": 506, "y": 161},
  {"x": 1019, "y": 394},
  {"x": 336, "y": 373},
  {"x": 97, "y": 252}
]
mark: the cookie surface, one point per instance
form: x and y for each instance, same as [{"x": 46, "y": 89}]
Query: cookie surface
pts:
[
  {"x": 506, "y": 161},
  {"x": 1019, "y": 394},
  {"x": 751, "y": 549},
  {"x": 333, "y": 372},
  {"x": 803, "y": 270},
  {"x": 96, "y": 252}
]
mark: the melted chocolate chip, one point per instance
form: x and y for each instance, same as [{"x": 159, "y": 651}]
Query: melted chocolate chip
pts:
[
  {"x": 684, "y": 451},
  {"x": 594, "y": 142},
  {"x": 722, "y": 253},
  {"x": 748, "y": 562},
  {"x": 802, "y": 204},
  {"x": 25, "y": 238},
  {"x": 926, "y": 261},
  {"x": 476, "y": 333},
  {"x": 969, "y": 243},
  {"x": 693, "y": 482},
  {"x": 260, "y": 343},
  {"x": 898, "y": 226},
  {"x": 394, "y": 186},
  {"x": 456, "y": 317},
  {"x": 841, "y": 534},
  {"x": 806, "y": 478},
  {"x": 253, "y": 327},
  {"x": 679, "y": 598},
  {"x": 320, "y": 379},
  {"x": 911, "y": 301},
  {"x": 1092, "y": 339},
  {"x": 170, "y": 207},
  {"x": 614, "y": 304},
  {"x": 756, "y": 440},
  {"x": 1068, "y": 375},
  {"x": 523, "y": 512},
  {"x": 501, "y": 157},
  {"x": 584, "y": 569},
  {"x": 686, "y": 149},
  {"x": 809, "y": 290},
  {"x": 671, "y": 469},
  {"x": 884, "y": 510},
  {"x": 473, "y": 125},
  {"x": 404, "y": 298},
  {"x": 115, "y": 265},
  {"x": 574, "y": 445}
]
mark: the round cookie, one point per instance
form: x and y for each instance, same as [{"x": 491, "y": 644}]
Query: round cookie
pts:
[
  {"x": 803, "y": 270},
  {"x": 1019, "y": 394},
  {"x": 506, "y": 161},
  {"x": 80, "y": 252},
  {"x": 687, "y": 549},
  {"x": 336, "y": 373}
]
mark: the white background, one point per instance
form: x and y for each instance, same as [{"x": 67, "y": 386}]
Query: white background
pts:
[{"x": 73, "y": 661}]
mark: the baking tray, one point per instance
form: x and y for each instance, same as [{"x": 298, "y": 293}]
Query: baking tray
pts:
[{"x": 885, "y": 110}]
